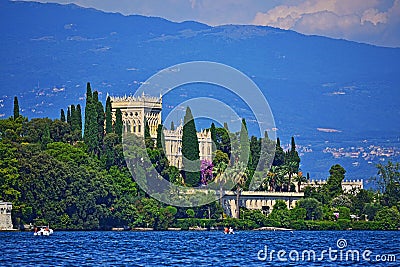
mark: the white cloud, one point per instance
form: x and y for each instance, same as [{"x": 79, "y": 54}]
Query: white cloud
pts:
[
  {"x": 374, "y": 16},
  {"x": 359, "y": 20}
]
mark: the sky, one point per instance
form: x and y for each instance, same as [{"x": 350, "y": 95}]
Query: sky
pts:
[{"x": 375, "y": 22}]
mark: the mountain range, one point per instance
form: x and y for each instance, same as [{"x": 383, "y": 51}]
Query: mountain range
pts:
[{"x": 325, "y": 92}]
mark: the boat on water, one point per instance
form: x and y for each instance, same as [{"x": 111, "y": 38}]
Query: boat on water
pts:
[
  {"x": 228, "y": 231},
  {"x": 43, "y": 231}
]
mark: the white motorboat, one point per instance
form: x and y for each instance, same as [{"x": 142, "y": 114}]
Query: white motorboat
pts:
[{"x": 44, "y": 231}]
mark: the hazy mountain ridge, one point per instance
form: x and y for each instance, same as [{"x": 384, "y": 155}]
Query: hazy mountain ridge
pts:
[{"x": 49, "y": 51}]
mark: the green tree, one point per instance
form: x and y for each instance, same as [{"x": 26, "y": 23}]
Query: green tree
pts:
[
  {"x": 160, "y": 142},
  {"x": 100, "y": 117},
  {"x": 312, "y": 206},
  {"x": 62, "y": 117},
  {"x": 74, "y": 119},
  {"x": 279, "y": 158},
  {"x": 190, "y": 150},
  {"x": 109, "y": 125},
  {"x": 213, "y": 136},
  {"x": 333, "y": 186},
  {"x": 172, "y": 127},
  {"x": 9, "y": 174},
  {"x": 147, "y": 137},
  {"x": 16, "y": 108},
  {"x": 389, "y": 217},
  {"x": 255, "y": 152},
  {"x": 46, "y": 136},
  {"x": 90, "y": 136},
  {"x": 223, "y": 141},
  {"x": 388, "y": 181},
  {"x": 69, "y": 116},
  {"x": 244, "y": 144},
  {"x": 360, "y": 199},
  {"x": 79, "y": 118},
  {"x": 118, "y": 124}
]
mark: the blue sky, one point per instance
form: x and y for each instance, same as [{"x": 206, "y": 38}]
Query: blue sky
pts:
[{"x": 370, "y": 21}]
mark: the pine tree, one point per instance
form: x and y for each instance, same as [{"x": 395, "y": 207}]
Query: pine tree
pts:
[
  {"x": 62, "y": 117},
  {"x": 172, "y": 126},
  {"x": 118, "y": 124},
  {"x": 108, "y": 116},
  {"x": 16, "y": 108},
  {"x": 190, "y": 150},
  {"x": 244, "y": 143},
  {"x": 69, "y": 116}
]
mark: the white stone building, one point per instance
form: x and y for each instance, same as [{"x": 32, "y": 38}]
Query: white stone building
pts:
[
  {"x": 5, "y": 216},
  {"x": 135, "y": 109},
  {"x": 173, "y": 145}
]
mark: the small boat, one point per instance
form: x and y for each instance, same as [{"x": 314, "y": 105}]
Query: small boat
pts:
[
  {"x": 44, "y": 231},
  {"x": 228, "y": 231}
]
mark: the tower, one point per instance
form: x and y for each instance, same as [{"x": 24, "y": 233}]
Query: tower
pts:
[{"x": 135, "y": 109}]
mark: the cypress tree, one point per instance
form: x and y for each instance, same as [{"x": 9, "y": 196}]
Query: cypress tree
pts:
[
  {"x": 100, "y": 118},
  {"x": 279, "y": 158},
  {"x": 293, "y": 145},
  {"x": 190, "y": 150},
  {"x": 147, "y": 137},
  {"x": 172, "y": 126},
  {"x": 160, "y": 140},
  {"x": 46, "y": 139},
  {"x": 118, "y": 124},
  {"x": 91, "y": 130},
  {"x": 74, "y": 119},
  {"x": 69, "y": 116},
  {"x": 79, "y": 115},
  {"x": 244, "y": 143},
  {"x": 213, "y": 133},
  {"x": 226, "y": 126},
  {"x": 16, "y": 108},
  {"x": 108, "y": 116},
  {"x": 293, "y": 156},
  {"x": 266, "y": 137},
  {"x": 87, "y": 107},
  {"x": 62, "y": 117}
]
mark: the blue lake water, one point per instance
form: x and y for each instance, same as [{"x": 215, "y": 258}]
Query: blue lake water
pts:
[{"x": 244, "y": 248}]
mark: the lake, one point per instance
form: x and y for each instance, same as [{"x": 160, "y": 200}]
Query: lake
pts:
[{"x": 201, "y": 248}]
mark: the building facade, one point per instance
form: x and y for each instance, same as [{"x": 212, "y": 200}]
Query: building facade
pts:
[
  {"x": 5, "y": 216},
  {"x": 134, "y": 111},
  {"x": 173, "y": 145}
]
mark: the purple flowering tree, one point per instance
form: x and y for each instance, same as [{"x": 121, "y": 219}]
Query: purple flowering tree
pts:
[{"x": 206, "y": 169}]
